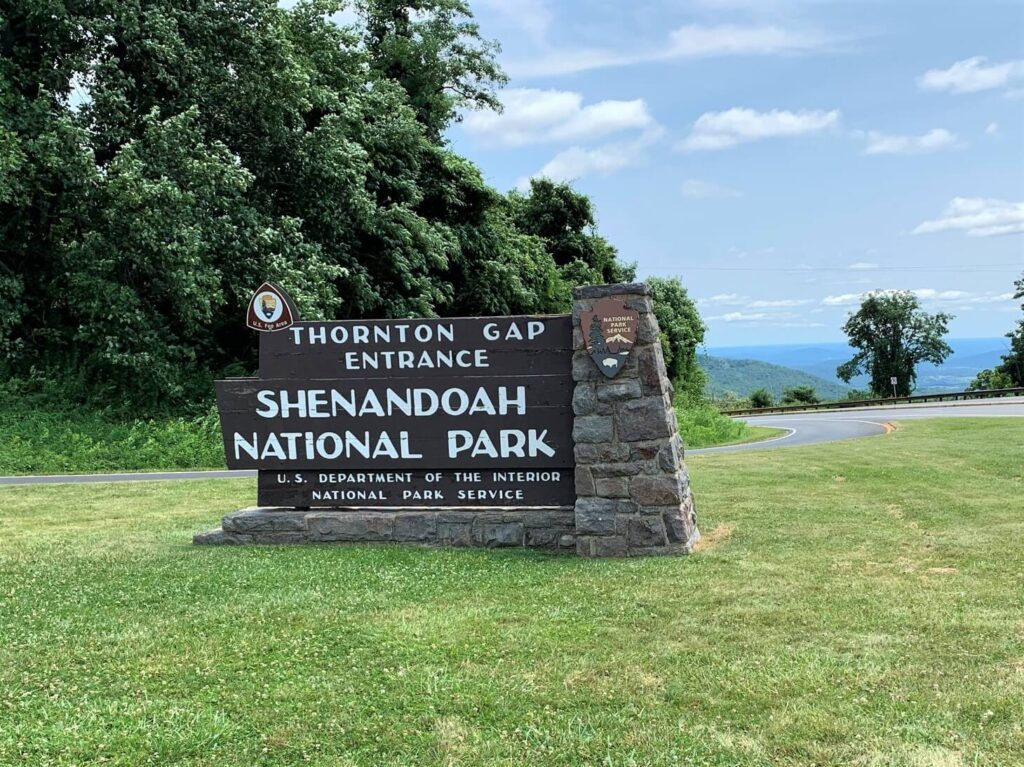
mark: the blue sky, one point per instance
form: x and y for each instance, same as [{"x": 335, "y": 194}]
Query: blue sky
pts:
[{"x": 782, "y": 157}]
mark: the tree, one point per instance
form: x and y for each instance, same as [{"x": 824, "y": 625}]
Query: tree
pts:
[
  {"x": 990, "y": 379},
  {"x": 803, "y": 395},
  {"x": 760, "y": 398},
  {"x": 564, "y": 221},
  {"x": 156, "y": 165},
  {"x": 891, "y": 335},
  {"x": 682, "y": 331}
]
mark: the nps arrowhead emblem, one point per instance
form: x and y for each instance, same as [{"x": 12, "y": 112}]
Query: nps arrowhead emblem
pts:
[
  {"x": 270, "y": 308},
  {"x": 609, "y": 330}
]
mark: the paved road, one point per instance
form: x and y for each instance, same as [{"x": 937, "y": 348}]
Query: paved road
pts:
[
  {"x": 832, "y": 425},
  {"x": 804, "y": 429}
]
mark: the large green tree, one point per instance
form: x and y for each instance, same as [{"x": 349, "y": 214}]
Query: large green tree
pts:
[
  {"x": 892, "y": 335},
  {"x": 160, "y": 159}
]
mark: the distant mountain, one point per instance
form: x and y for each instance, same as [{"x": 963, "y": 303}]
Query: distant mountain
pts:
[
  {"x": 969, "y": 356},
  {"x": 744, "y": 376}
]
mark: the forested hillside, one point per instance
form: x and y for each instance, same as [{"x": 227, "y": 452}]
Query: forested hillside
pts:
[{"x": 744, "y": 376}]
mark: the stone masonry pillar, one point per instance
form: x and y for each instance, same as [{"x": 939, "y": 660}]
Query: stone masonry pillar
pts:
[{"x": 632, "y": 488}]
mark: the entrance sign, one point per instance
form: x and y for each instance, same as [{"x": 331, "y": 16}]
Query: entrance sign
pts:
[
  {"x": 485, "y": 431},
  {"x": 469, "y": 411},
  {"x": 609, "y": 331},
  {"x": 270, "y": 309}
]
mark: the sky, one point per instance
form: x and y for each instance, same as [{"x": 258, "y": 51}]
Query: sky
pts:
[{"x": 780, "y": 157}]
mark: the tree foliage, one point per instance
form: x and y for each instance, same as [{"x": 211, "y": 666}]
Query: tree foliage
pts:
[
  {"x": 891, "y": 335},
  {"x": 682, "y": 331},
  {"x": 159, "y": 159},
  {"x": 800, "y": 395},
  {"x": 761, "y": 398},
  {"x": 1010, "y": 372}
]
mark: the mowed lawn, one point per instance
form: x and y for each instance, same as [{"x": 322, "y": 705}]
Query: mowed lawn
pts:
[{"x": 859, "y": 603}]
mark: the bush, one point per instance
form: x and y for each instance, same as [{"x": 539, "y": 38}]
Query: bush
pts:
[
  {"x": 40, "y": 441},
  {"x": 800, "y": 395},
  {"x": 761, "y": 398}
]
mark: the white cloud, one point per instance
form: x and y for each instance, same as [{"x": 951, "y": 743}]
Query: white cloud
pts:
[
  {"x": 696, "y": 189},
  {"x": 775, "y": 303},
  {"x": 577, "y": 162},
  {"x": 534, "y": 116},
  {"x": 971, "y": 75},
  {"x": 978, "y": 217},
  {"x": 932, "y": 141},
  {"x": 862, "y": 266},
  {"x": 846, "y": 299},
  {"x": 742, "y": 317},
  {"x": 721, "y": 130},
  {"x": 956, "y": 298},
  {"x": 733, "y": 299},
  {"x": 694, "y": 40},
  {"x": 689, "y": 41},
  {"x": 992, "y": 129}
]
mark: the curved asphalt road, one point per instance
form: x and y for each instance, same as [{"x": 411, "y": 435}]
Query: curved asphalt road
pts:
[
  {"x": 831, "y": 425},
  {"x": 804, "y": 429}
]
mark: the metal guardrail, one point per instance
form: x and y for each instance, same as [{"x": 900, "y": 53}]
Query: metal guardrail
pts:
[{"x": 938, "y": 397}]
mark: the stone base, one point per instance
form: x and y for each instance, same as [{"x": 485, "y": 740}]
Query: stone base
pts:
[{"x": 547, "y": 528}]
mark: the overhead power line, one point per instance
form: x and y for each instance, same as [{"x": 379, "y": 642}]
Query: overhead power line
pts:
[{"x": 916, "y": 268}]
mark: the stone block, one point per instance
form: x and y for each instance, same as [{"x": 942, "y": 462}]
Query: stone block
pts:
[
  {"x": 601, "y": 546},
  {"x": 593, "y": 428},
  {"x": 650, "y": 367},
  {"x": 420, "y": 527},
  {"x": 584, "y": 398},
  {"x": 642, "y": 419},
  {"x": 645, "y": 451},
  {"x": 595, "y": 516},
  {"x": 669, "y": 457},
  {"x": 612, "y": 487},
  {"x": 618, "y": 290},
  {"x": 647, "y": 331},
  {"x": 583, "y": 368},
  {"x": 455, "y": 532},
  {"x": 602, "y": 452},
  {"x": 497, "y": 534},
  {"x": 584, "y": 482},
  {"x": 543, "y": 537},
  {"x": 657, "y": 490},
  {"x": 550, "y": 519},
  {"x": 677, "y": 526},
  {"x": 618, "y": 390},
  {"x": 350, "y": 526},
  {"x": 567, "y": 541},
  {"x": 627, "y": 469},
  {"x": 645, "y": 531},
  {"x": 258, "y": 520}
]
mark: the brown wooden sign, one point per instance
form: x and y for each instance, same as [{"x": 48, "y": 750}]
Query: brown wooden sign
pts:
[
  {"x": 471, "y": 346},
  {"x": 609, "y": 331},
  {"x": 439, "y": 412},
  {"x": 270, "y": 309}
]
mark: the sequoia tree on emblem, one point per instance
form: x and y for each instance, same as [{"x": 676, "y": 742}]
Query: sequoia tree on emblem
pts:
[
  {"x": 610, "y": 332},
  {"x": 270, "y": 308}
]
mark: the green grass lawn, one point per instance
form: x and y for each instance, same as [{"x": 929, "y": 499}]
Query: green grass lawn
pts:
[{"x": 857, "y": 603}]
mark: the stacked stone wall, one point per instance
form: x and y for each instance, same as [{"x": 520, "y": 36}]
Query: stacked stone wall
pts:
[{"x": 632, "y": 489}]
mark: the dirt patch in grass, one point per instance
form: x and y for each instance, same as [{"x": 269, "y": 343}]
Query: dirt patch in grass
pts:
[{"x": 719, "y": 535}]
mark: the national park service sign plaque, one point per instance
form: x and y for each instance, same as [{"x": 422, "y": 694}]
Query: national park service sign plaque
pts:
[
  {"x": 609, "y": 331},
  {"x": 470, "y": 431},
  {"x": 270, "y": 309}
]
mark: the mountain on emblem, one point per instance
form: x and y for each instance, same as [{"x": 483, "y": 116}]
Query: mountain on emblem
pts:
[
  {"x": 610, "y": 332},
  {"x": 270, "y": 308}
]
